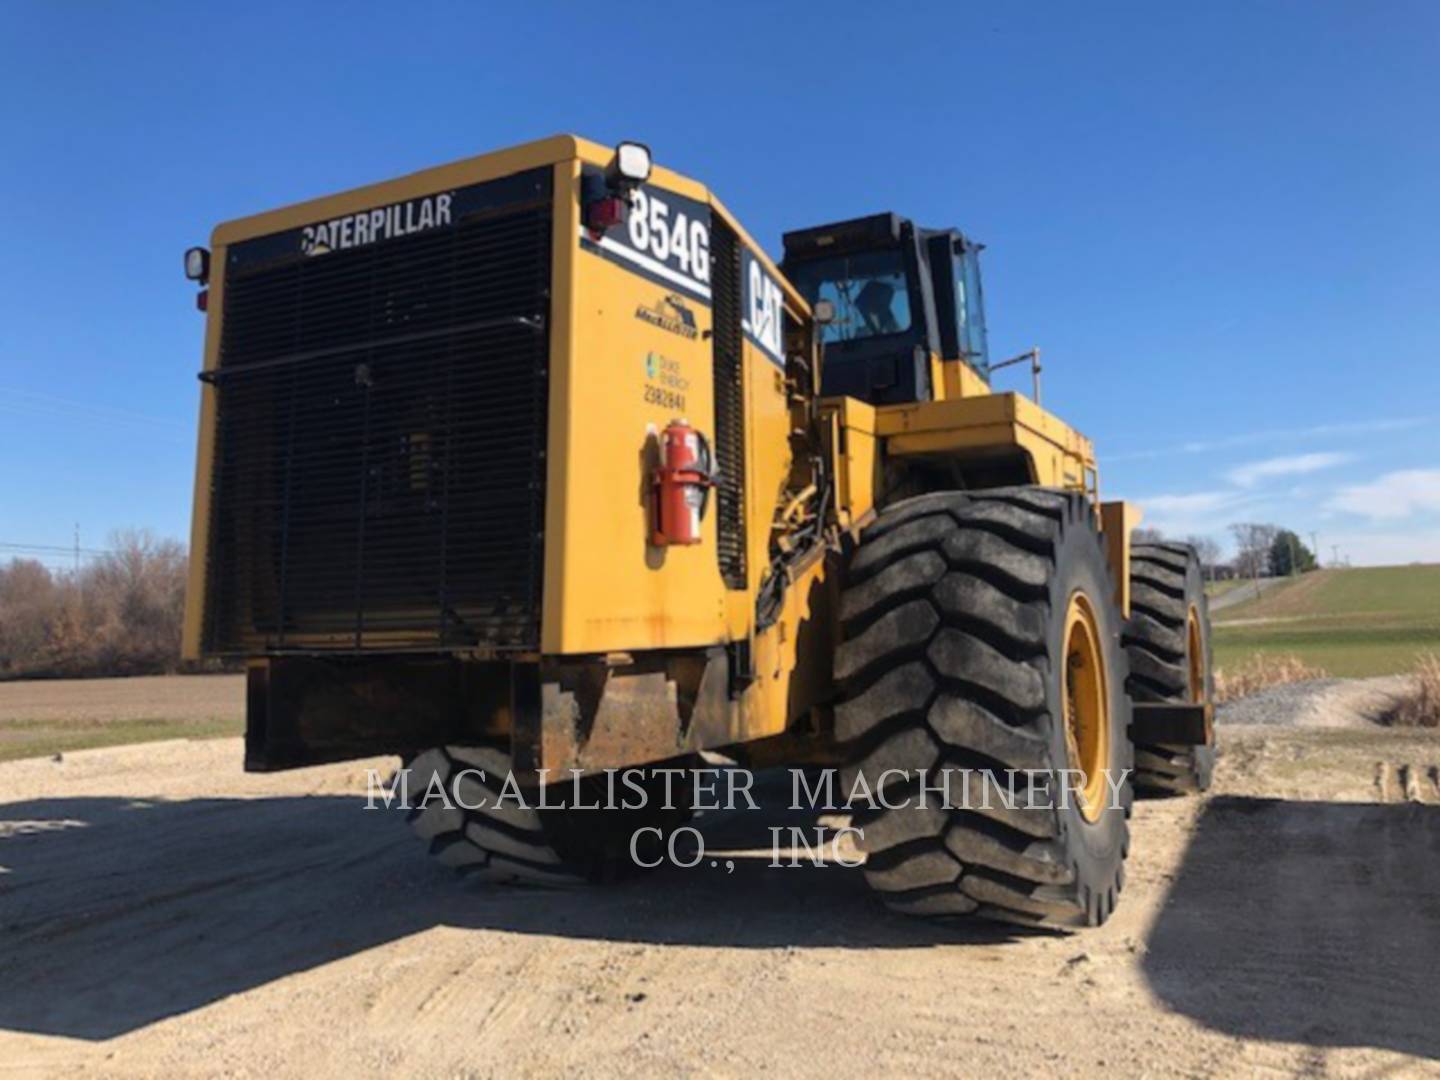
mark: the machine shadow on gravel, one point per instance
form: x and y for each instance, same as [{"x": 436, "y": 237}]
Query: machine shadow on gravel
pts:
[
  {"x": 116, "y": 913},
  {"x": 1309, "y": 922}
]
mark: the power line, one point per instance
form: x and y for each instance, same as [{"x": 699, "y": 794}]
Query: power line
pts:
[
  {"x": 49, "y": 405},
  {"x": 55, "y": 549},
  {"x": 56, "y": 564}
]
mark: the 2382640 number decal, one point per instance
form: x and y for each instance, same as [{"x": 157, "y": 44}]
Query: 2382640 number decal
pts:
[{"x": 667, "y": 399}]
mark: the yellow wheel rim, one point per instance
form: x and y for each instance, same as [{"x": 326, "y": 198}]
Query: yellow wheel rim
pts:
[
  {"x": 1086, "y": 693},
  {"x": 1195, "y": 655}
]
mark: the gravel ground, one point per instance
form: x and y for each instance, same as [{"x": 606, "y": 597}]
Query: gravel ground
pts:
[
  {"x": 1316, "y": 703},
  {"x": 1278, "y": 705},
  {"x": 163, "y": 913}
]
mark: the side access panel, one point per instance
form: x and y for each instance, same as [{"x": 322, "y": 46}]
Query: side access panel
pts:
[{"x": 992, "y": 424}]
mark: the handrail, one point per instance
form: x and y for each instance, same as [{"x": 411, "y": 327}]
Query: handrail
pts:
[{"x": 216, "y": 375}]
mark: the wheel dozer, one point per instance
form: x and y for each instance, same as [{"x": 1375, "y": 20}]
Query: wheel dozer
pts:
[{"x": 534, "y": 469}]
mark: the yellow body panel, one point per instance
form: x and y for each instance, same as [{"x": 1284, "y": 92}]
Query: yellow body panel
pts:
[
  {"x": 865, "y": 437},
  {"x": 856, "y": 456},
  {"x": 956, "y": 379},
  {"x": 772, "y": 704},
  {"x": 606, "y": 587},
  {"x": 1117, "y": 521},
  {"x": 622, "y": 372},
  {"x": 1060, "y": 456},
  {"x": 204, "y": 465}
]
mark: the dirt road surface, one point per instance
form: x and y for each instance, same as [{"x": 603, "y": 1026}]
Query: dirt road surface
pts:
[
  {"x": 163, "y": 913},
  {"x": 163, "y": 697}
]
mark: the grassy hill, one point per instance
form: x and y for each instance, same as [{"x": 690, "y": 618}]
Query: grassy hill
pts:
[{"x": 1369, "y": 621}]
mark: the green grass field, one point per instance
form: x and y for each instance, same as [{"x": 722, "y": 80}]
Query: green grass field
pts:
[
  {"x": 36, "y": 738},
  {"x": 1368, "y": 621}
]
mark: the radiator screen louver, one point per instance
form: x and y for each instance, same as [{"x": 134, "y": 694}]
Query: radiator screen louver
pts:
[
  {"x": 729, "y": 405},
  {"x": 379, "y": 455}
]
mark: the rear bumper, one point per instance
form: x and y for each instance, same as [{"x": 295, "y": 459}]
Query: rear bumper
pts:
[
  {"x": 1173, "y": 724},
  {"x": 587, "y": 713}
]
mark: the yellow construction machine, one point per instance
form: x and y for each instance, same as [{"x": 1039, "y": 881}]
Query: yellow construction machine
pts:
[{"x": 535, "y": 466}]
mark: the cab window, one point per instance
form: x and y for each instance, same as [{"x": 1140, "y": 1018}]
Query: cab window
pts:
[
  {"x": 869, "y": 291},
  {"x": 970, "y": 308}
]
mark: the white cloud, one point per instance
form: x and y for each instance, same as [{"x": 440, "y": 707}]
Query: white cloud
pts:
[
  {"x": 1394, "y": 495},
  {"x": 1198, "y": 503},
  {"x": 1205, "y": 513},
  {"x": 1381, "y": 548},
  {"x": 1250, "y": 438},
  {"x": 1251, "y": 473}
]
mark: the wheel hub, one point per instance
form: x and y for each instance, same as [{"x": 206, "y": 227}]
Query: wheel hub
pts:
[
  {"x": 1086, "y": 696},
  {"x": 1195, "y": 655}
]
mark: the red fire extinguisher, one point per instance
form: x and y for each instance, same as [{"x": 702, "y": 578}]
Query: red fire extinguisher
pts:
[{"x": 681, "y": 485}]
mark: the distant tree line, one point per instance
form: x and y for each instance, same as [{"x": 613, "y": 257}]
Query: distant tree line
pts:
[
  {"x": 1261, "y": 550},
  {"x": 120, "y": 614}
]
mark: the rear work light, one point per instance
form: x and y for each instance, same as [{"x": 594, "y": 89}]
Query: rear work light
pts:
[
  {"x": 197, "y": 265},
  {"x": 605, "y": 202},
  {"x": 630, "y": 167}
]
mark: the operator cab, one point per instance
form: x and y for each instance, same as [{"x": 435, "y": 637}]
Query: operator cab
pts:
[{"x": 901, "y": 293}]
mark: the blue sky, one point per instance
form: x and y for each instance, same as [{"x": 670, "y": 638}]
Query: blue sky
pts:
[{"x": 1219, "y": 221}]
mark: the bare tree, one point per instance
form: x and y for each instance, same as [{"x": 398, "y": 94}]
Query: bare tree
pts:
[
  {"x": 1207, "y": 551},
  {"x": 136, "y": 602},
  {"x": 1147, "y": 536},
  {"x": 119, "y": 615},
  {"x": 1252, "y": 543},
  {"x": 27, "y": 597}
]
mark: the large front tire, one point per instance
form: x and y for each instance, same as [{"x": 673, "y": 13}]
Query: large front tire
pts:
[
  {"x": 1168, "y": 642},
  {"x": 981, "y": 637}
]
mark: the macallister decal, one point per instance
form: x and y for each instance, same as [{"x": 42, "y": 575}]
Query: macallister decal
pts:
[
  {"x": 670, "y": 313},
  {"x": 382, "y": 223}
]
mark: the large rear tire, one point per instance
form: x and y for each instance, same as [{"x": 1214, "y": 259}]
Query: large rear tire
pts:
[
  {"x": 485, "y": 836},
  {"x": 980, "y": 633},
  {"x": 1168, "y": 643}
]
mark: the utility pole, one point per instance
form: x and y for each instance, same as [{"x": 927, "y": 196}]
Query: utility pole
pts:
[
  {"x": 77, "y": 550},
  {"x": 1256, "y": 556},
  {"x": 1334, "y": 554}
]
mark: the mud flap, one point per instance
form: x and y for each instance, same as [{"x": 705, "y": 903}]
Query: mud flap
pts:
[
  {"x": 1172, "y": 724},
  {"x": 310, "y": 711}
]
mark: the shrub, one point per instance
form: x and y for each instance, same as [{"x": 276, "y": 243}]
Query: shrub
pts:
[
  {"x": 119, "y": 615},
  {"x": 1262, "y": 671},
  {"x": 1419, "y": 703}
]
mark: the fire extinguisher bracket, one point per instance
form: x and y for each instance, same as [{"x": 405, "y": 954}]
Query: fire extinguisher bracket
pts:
[{"x": 680, "y": 487}]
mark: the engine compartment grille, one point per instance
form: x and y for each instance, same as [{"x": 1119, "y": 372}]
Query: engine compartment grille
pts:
[
  {"x": 379, "y": 454},
  {"x": 729, "y": 374}
]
